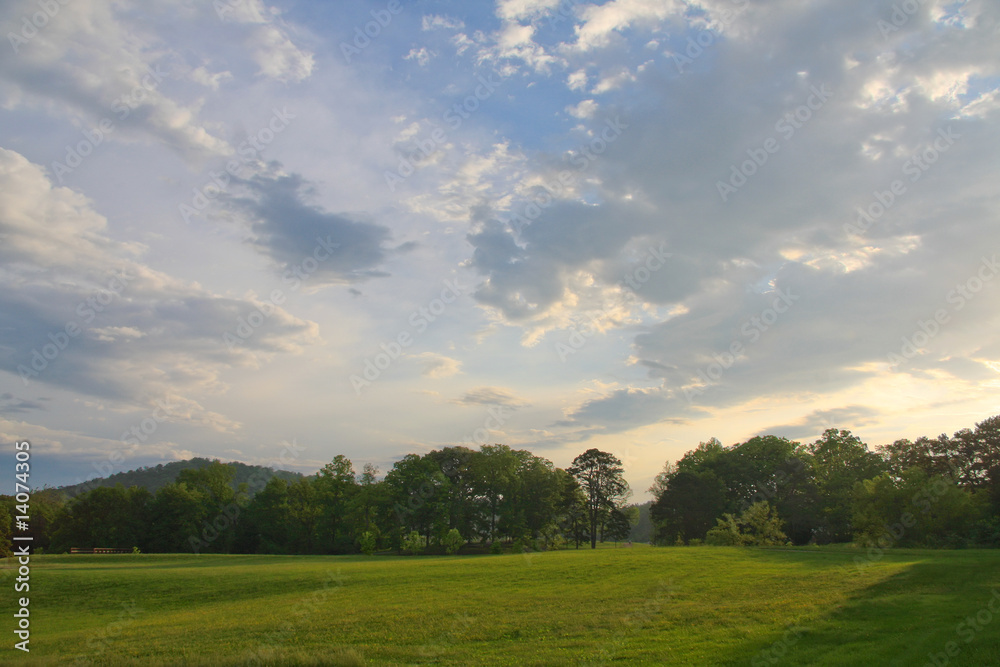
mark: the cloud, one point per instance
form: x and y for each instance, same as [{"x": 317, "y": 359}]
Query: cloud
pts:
[
  {"x": 435, "y": 22},
  {"x": 437, "y": 366},
  {"x": 269, "y": 40},
  {"x": 126, "y": 63},
  {"x": 88, "y": 61},
  {"x": 600, "y": 21},
  {"x": 784, "y": 228},
  {"x": 577, "y": 80},
  {"x": 315, "y": 245},
  {"x": 585, "y": 109},
  {"x": 11, "y": 405},
  {"x": 91, "y": 318},
  {"x": 421, "y": 55},
  {"x": 815, "y": 423},
  {"x": 515, "y": 10},
  {"x": 491, "y": 396}
]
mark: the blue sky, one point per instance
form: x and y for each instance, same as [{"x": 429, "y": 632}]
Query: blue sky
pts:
[{"x": 632, "y": 225}]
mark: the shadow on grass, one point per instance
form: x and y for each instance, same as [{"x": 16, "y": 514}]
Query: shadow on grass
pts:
[{"x": 933, "y": 611}]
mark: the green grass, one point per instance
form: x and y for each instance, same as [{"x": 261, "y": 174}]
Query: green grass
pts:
[{"x": 663, "y": 606}]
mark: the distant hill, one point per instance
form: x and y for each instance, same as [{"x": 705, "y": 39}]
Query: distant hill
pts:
[{"x": 153, "y": 478}]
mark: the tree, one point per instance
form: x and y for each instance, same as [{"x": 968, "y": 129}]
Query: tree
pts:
[
  {"x": 178, "y": 519},
  {"x": 305, "y": 513},
  {"x": 367, "y": 543},
  {"x": 600, "y": 474},
  {"x": 369, "y": 498},
  {"x": 269, "y": 520},
  {"x": 572, "y": 507},
  {"x": 619, "y": 524},
  {"x": 494, "y": 472},
  {"x": 757, "y": 526},
  {"x": 412, "y": 543},
  {"x": 840, "y": 460},
  {"x": 688, "y": 507},
  {"x": 452, "y": 542},
  {"x": 455, "y": 503},
  {"x": 414, "y": 485},
  {"x": 335, "y": 486},
  {"x": 105, "y": 517},
  {"x": 915, "y": 509}
]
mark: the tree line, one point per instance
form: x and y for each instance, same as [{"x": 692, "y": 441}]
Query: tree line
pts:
[
  {"x": 935, "y": 492},
  {"x": 491, "y": 498},
  {"x": 932, "y": 492}
]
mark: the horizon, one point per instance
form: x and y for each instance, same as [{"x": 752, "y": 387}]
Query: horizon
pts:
[{"x": 388, "y": 227}]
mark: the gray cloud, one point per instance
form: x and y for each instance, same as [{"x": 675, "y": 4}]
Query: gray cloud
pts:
[
  {"x": 299, "y": 235},
  {"x": 82, "y": 313},
  {"x": 858, "y": 296},
  {"x": 491, "y": 396},
  {"x": 815, "y": 423}
]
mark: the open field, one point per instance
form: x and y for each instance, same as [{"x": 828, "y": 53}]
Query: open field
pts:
[{"x": 611, "y": 606}]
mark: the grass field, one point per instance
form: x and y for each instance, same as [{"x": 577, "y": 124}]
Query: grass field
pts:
[{"x": 641, "y": 605}]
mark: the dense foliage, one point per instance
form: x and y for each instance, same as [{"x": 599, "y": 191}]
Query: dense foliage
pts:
[
  {"x": 767, "y": 490},
  {"x": 440, "y": 502}
]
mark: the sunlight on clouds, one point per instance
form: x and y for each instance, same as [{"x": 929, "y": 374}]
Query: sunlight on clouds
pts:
[
  {"x": 849, "y": 260},
  {"x": 600, "y": 21},
  {"x": 436, "y": 366},
  {"x": 946, "y": 85}
]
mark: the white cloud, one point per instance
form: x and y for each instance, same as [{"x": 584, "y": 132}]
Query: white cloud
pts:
[
  {"x": 421, "y": 55},
  {"x": 585, "y": 109},
  {"x": 435, "y": 22},
  {"x": 577, "y": 80},
  {"x": 600, "y": 21},
  {"x": 516, "y": 10}
]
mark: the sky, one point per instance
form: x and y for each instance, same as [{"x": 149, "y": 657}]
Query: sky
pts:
[{"x": 275, "y": 232}]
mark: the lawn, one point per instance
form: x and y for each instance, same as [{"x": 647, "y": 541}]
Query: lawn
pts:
[{"x": 640, "y": 605}]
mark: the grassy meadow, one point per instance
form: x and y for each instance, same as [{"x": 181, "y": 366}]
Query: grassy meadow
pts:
[{"x": 640, "y": 605}]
